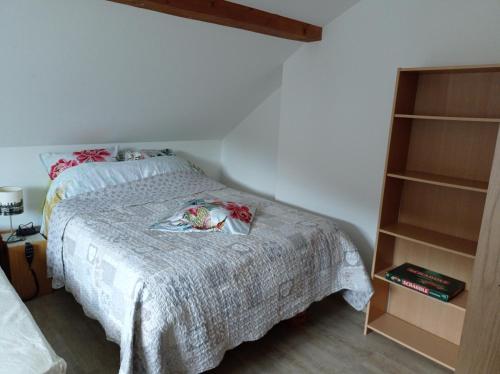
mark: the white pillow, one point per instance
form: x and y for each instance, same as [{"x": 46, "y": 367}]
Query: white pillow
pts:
[
  {"x": 90, "y": 177},
  {"x": 56, "y": 163}
]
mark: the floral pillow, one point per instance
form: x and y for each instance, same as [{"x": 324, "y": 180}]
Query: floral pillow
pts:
[
  {"x": 56, "y": 163},
  {"x": 209, "y": 215}
]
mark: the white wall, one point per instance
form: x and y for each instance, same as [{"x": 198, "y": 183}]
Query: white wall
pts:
[
  {"x": 336, "y": 101},
  {"x": 20, "y": 166},
  {"x": 94, "y": 71},
  {"x": 249, "y": 152}
]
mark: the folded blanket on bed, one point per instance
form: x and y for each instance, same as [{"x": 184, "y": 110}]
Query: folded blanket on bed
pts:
[{"x": 177, "y": 302}]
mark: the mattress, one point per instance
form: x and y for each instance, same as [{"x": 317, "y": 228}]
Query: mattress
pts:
[
  {"x": 23, "y": 348},
  {"x": 176, "y": 302}
]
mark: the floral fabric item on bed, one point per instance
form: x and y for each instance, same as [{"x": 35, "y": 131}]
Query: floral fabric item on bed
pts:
[
  {"x": 56, "y": 163},
  {"x": 209, "y": 215}
]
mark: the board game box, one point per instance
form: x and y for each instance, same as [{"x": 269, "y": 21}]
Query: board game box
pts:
[{"x": 426, "y": 281}]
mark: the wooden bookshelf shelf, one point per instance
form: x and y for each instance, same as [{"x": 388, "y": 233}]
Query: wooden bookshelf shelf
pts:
[
  {"x": 444, "y": 118},
  {"x": 441, "y": 180},
  {"x": 444, "y": 242},
  {"x": 427, "y": 344},
  {"x": 459, "y": 302}
]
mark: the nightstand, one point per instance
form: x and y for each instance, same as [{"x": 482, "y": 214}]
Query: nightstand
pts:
[{"x": 18, "y": 269}]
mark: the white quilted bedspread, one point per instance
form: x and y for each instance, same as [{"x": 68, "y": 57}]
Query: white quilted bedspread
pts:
[{"x": 176, "y": 302}]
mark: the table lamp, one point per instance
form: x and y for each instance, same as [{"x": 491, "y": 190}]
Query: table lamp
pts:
[{"x": 11, "y": 204}]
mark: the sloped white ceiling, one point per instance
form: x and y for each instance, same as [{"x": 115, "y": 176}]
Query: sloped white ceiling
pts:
[{"x": 92, "y": 71}]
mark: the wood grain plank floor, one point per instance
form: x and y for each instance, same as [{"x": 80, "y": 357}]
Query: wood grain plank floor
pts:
[{"x": 329, "y": 339}]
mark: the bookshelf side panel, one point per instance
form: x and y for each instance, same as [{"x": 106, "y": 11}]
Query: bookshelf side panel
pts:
[{"x": 479, "y": 352}]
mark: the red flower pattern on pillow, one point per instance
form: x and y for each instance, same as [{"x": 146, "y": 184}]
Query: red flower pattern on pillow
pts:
[
  {"x": 60, "y": 166},
  {"x": 92, "y": 155},
  {"x": 55, "y": 163},
  {"x": 240, "y": 212}
]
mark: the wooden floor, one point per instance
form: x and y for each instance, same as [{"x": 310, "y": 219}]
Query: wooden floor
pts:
[{"x": 328, "y": 340}]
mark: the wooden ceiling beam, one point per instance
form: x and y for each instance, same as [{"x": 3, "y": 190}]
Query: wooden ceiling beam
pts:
[{"x": 235, "y": 15}]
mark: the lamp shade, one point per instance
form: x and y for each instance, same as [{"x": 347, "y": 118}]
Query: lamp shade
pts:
[{"x": 11, "y": 201}]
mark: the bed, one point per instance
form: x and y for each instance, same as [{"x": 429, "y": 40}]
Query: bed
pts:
[
  {"x": 23, "y": 348},
  {"x": 176, "y": 302}
]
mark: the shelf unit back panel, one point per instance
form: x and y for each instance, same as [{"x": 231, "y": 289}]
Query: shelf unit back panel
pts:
[
  {"x": 455, "y": 266},
  {"x": 449, "y": 211},
  {"x": 458, "y": 94},
  {"x": 437, "y": 318},
  {"x": 450, "y": 94},
  {"x": 455, "y": 149}
]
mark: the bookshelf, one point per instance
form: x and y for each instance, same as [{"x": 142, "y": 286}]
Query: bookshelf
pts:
[{"x": 440, "y": 160}]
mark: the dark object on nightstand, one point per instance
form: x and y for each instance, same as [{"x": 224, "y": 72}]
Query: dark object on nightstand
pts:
[{"x": 27, "y": 230}]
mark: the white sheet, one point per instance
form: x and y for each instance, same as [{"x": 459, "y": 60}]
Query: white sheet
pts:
[{"x": 23, "y": 348}]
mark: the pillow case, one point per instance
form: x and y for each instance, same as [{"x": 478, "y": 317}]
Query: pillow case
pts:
[
  {"x": 56, "y": 163},
  {"x": 129, "y": 155},
  {"x": 90, "y": 177},
  {"x": 209, "y": 216}
]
